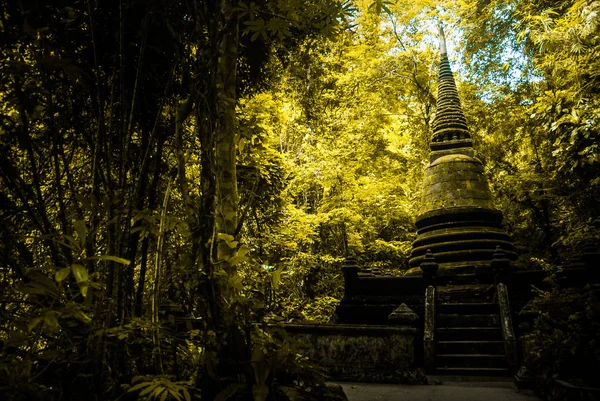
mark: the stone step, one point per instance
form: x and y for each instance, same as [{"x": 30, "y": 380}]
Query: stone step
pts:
[
  {"x": 474, "y": 293},
  {"x": 472, "y": 371},
  {"x": 470, "y": 361},
  {"x": 468, "y": 308},
  {"x": 470, "y": 347},
  {"x": 468, "y": 333},
  {"x": 465, "y": 298},
  {"x": 460, "y": 320}
]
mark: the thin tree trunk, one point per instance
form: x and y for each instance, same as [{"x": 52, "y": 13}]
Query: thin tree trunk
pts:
[
  {"x": 139, "y": 296},
  {"x": 157, "y": 277}
]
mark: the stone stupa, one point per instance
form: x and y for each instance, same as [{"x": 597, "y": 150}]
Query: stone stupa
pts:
[{"x": 457, "y": 220}]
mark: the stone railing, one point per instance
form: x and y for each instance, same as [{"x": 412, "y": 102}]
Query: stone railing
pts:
[
  {"x": 508, "y": 333},
  {"x": 429, "y": 268},
  {"x": 429, "y": 330},
  {"x": 502, "y": 274}
]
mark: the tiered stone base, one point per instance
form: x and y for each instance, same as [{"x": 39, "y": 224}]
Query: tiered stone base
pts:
[{"x": 463, "y": 239}]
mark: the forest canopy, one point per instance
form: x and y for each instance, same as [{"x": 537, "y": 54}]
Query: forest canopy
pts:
[{"x": 216, "y": 161}]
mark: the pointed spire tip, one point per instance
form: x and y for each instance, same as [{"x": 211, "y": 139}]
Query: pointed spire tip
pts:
[{"x": 442, "y": 40}]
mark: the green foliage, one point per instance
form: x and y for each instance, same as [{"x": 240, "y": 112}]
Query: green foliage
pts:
[
  {"x": 563, "y": 343},
  {"x": 278, "y": 364},
  {"x": 91, "y": 95},
  {"x": 160, "y": 388},
  {"x": 346, "y": 158},
  {"x": 320, "y": 310}
]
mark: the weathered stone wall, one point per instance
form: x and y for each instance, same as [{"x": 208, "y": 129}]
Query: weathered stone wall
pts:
[{"x": 359, "y": 352}]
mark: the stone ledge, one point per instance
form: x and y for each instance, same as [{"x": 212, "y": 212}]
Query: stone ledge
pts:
[{"x": 358, "y": 352}]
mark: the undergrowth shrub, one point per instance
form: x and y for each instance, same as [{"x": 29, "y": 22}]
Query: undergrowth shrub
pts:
[{"x": 564, "y": 342}]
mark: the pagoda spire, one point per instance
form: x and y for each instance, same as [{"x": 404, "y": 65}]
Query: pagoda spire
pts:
[
  {"x": 457, "y": 221},
  {"x": 442, "y": 40},
  {"x": 449, "y": 123}
]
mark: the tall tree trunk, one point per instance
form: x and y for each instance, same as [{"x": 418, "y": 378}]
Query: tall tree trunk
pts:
[
  {"x": 226, "y": 218},
  {"x": 234, "y": 351}
]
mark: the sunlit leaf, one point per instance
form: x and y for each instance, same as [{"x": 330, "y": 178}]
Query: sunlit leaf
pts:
[
  {"x": 235, "y": 282},
  {"x": 148, "y": 389},
  {"x": 62, "y": 274},
  {"x": 175, "y": 394},
  {"x": 80, "y": 272},
  {"x": 276, "y": 277},
  {"x": 110, "y": 258}
]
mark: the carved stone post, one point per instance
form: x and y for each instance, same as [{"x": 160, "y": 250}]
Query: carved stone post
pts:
[
  {"x": 350, "y": 270},
  {"x": 429, "y": 267},
  {"x": 429, "y": 330}
]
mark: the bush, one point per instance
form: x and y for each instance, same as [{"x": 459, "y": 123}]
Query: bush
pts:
[
  {"x": 320, "y": 310},
  {"x": 564, "y": 342}
]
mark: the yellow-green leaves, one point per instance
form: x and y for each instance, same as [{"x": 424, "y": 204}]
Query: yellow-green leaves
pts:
[
  {"x": 160, "y": 387},
  {"x": 38, "y": 284},
  {"x": 380, "y": 5},
  {"x": 228, "y": 239},
  {"x": 280, "y": 20},
  {"x": 110, "y": 258},
  {"x": 235, "y": 282},
  {"x": 81, "y": 231},
  {"x": 48, "y": 320},
  {"x": 276, "y": 277},
  {"x": 240, "y": 256},
  {"x": 80, "y": 272},
  {"x": 81, "y": 275},
  {"x": 260, "y": 389},
  {"x": 62, "y": 274}
]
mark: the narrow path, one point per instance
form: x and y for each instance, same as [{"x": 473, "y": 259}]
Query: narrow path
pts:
[{"x": 448, "y": 391}]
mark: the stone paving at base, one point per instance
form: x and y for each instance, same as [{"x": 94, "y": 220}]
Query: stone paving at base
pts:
[{"x": 447, "y": 391}]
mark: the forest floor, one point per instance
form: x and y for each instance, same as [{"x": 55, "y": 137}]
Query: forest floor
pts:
[{"x": 449, "y": 389}]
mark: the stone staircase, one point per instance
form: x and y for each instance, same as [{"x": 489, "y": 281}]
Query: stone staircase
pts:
[{"x": 468, "y": 339}]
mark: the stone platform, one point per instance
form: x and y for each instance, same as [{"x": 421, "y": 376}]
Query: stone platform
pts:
[{"x": 449, "y": 390}]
